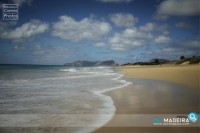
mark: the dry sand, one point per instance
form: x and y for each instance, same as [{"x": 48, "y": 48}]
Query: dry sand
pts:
[
  {"x": 138, "y": 99},
  {"x": 188, "y": 75}
]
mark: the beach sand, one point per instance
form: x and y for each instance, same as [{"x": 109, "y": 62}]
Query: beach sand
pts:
[
  {"x": 188, "y": 75},
  {"x": 164, "y": 90}
]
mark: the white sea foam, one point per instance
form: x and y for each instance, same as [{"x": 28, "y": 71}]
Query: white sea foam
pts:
[
  {"x": 69, "y": 70},
  {"x": 124, "y": 84},
  {"x": 61, "y": 91}
]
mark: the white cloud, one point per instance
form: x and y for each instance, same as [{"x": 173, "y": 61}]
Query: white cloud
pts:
[
  {"x": 155, "y": 28},
  {"x": 21, "y": 2},
  {"x": 115, "y": 1},
  {"x": 148, "y": 27},
  {"x": 178, "y": 8},
  {"x": 183, "y": 25},
  {"x": 161, "y": 39},
  {"x": 129, "y": 39},
  {"x": 86, "y": 29},
  {"x": 26, "y": 31},
  {"x": 123, "y": 20}
]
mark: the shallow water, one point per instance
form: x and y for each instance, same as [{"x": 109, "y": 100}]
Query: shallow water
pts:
[{"x": 34, "y": 98}]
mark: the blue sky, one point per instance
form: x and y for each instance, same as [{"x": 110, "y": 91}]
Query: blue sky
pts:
[{"x": 60, "y": 31}]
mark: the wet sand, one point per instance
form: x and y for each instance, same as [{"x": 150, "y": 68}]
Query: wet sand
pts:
[{"x": 175, "y": 91}]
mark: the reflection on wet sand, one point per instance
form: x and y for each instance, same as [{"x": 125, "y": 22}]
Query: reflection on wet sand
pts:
[
  {"x": 155, "y": 97},
  {"x": 152, "y": 97}
]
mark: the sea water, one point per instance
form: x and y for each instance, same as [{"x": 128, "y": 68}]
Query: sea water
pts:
[{"x": 56, "y": 98}]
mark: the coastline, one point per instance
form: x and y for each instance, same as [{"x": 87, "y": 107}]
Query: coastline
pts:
[{"x": 126, "y": 102}]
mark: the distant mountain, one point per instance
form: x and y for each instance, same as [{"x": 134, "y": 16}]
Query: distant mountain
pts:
[{"x": 91, "y": 63}]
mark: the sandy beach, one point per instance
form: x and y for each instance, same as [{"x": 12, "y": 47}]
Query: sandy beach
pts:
[
  {"x": 188, "y": 75},
  {"x": 156, "y": 90}
]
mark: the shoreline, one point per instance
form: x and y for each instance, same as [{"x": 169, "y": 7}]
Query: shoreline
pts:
[
  {"x": 164, "y": 73},
  {"x": 104, "y": 93}
]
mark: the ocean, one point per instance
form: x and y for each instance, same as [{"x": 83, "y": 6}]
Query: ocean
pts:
[{"x": 56, "y": 98}]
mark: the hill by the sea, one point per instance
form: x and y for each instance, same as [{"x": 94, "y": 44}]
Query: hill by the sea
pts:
[{"x": 91, "y": 63}]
